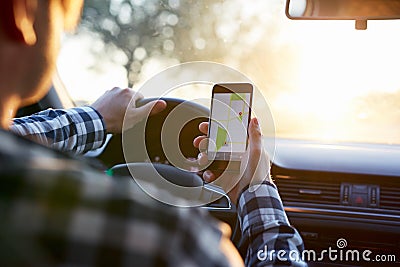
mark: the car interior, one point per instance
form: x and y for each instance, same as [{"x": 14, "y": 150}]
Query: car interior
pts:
[{"x": 331, "y": 189}]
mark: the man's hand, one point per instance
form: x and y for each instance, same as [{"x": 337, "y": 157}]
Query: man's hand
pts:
[
  {"x": 113, "y": 105},
  {"x": 255, "y": 164}
]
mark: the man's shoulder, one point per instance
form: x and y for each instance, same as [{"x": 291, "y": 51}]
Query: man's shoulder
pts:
[
  {"x": 38, "y": 169},
  {"x": 17, "y": 151},
  {"x": 31, "y": 170},
  {"x": 24, "y": 160}
]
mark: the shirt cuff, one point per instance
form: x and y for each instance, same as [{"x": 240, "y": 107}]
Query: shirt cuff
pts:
[
  {"x": 98, "y": 116},
  {"x": 90, "y": 127},
  {"x": 260, "y": 204}
]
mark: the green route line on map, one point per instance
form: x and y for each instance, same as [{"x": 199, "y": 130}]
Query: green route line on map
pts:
[{"x": 222, "y": 134}]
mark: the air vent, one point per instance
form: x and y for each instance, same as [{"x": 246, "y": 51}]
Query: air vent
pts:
[
  {"x": 298, "y": 189},
  {"x": 390, "y": 198}
]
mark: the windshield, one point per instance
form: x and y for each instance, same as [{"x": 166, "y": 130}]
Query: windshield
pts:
[{"x": 323, "y": 80}]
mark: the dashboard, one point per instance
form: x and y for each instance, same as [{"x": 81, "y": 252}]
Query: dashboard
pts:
[{"x": 345, "y": 192}]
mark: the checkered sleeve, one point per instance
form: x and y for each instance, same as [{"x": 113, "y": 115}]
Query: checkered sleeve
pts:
[
  {"x": 268, "y": 239},
  {"x": 76, "y": 130}
]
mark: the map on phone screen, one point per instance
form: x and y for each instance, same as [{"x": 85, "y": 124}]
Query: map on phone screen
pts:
[{"x": 229, "y": 122}]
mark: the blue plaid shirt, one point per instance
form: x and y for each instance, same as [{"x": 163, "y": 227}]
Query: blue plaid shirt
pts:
[{"x": 76, "y": 130}]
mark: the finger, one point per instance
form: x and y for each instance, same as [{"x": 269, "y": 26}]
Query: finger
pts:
[
  {"x": 203, "y": 145},
  {"x": 259, "y": 166},
  {"x": 255, "y": 136},
  {"x": 202, "y": 159},
  {"x": 159, "y": 106},
  {"x": 225, "y": 229},
  {"x": 201, "y": 142},
  {"x": 197, "y": 140},
  {"x": 208, "y": 176},
  {"x": 150, "y": 108},
  {"x": 254, "y": 151},
  {"x": 203, "y": 127}
]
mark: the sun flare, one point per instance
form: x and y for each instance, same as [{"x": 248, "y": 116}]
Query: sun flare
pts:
[{"x": 322, "y": 79}]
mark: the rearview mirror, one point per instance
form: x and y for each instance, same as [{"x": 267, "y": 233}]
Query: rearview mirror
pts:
[{"x": 358, "y": 10}]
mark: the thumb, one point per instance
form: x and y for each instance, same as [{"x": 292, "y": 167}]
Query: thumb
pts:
[
  {"x": 255, "y": 137},
  {"x": 151, "y": 108},
  {"x": 252, "y": 157},
  {"x": 258, "y": 164}
]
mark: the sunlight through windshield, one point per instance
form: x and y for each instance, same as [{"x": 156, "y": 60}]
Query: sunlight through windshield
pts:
[{"x": 323, "y": 79}]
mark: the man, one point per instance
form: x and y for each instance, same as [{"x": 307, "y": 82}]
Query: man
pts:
[
  {"x": 79, "y": 130},
  {"x": 55, "y": 210}
]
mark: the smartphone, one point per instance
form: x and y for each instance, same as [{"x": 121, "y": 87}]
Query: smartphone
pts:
[{"x": 229, "y": 121}]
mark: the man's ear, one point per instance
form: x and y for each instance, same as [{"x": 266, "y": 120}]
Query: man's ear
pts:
[{"x": 24, "y": 18}]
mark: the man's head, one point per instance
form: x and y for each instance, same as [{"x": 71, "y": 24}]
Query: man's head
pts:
[{"x": 30, "y": 32}]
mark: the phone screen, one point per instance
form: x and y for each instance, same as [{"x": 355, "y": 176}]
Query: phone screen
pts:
[{"x": 229, "y": 120}]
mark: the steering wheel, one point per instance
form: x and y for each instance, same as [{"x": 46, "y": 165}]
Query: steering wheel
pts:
[
  {"x": 186, "y": 130},
  {"x": 151, "y": 132},
  {"x": 168, "y": 135}
]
